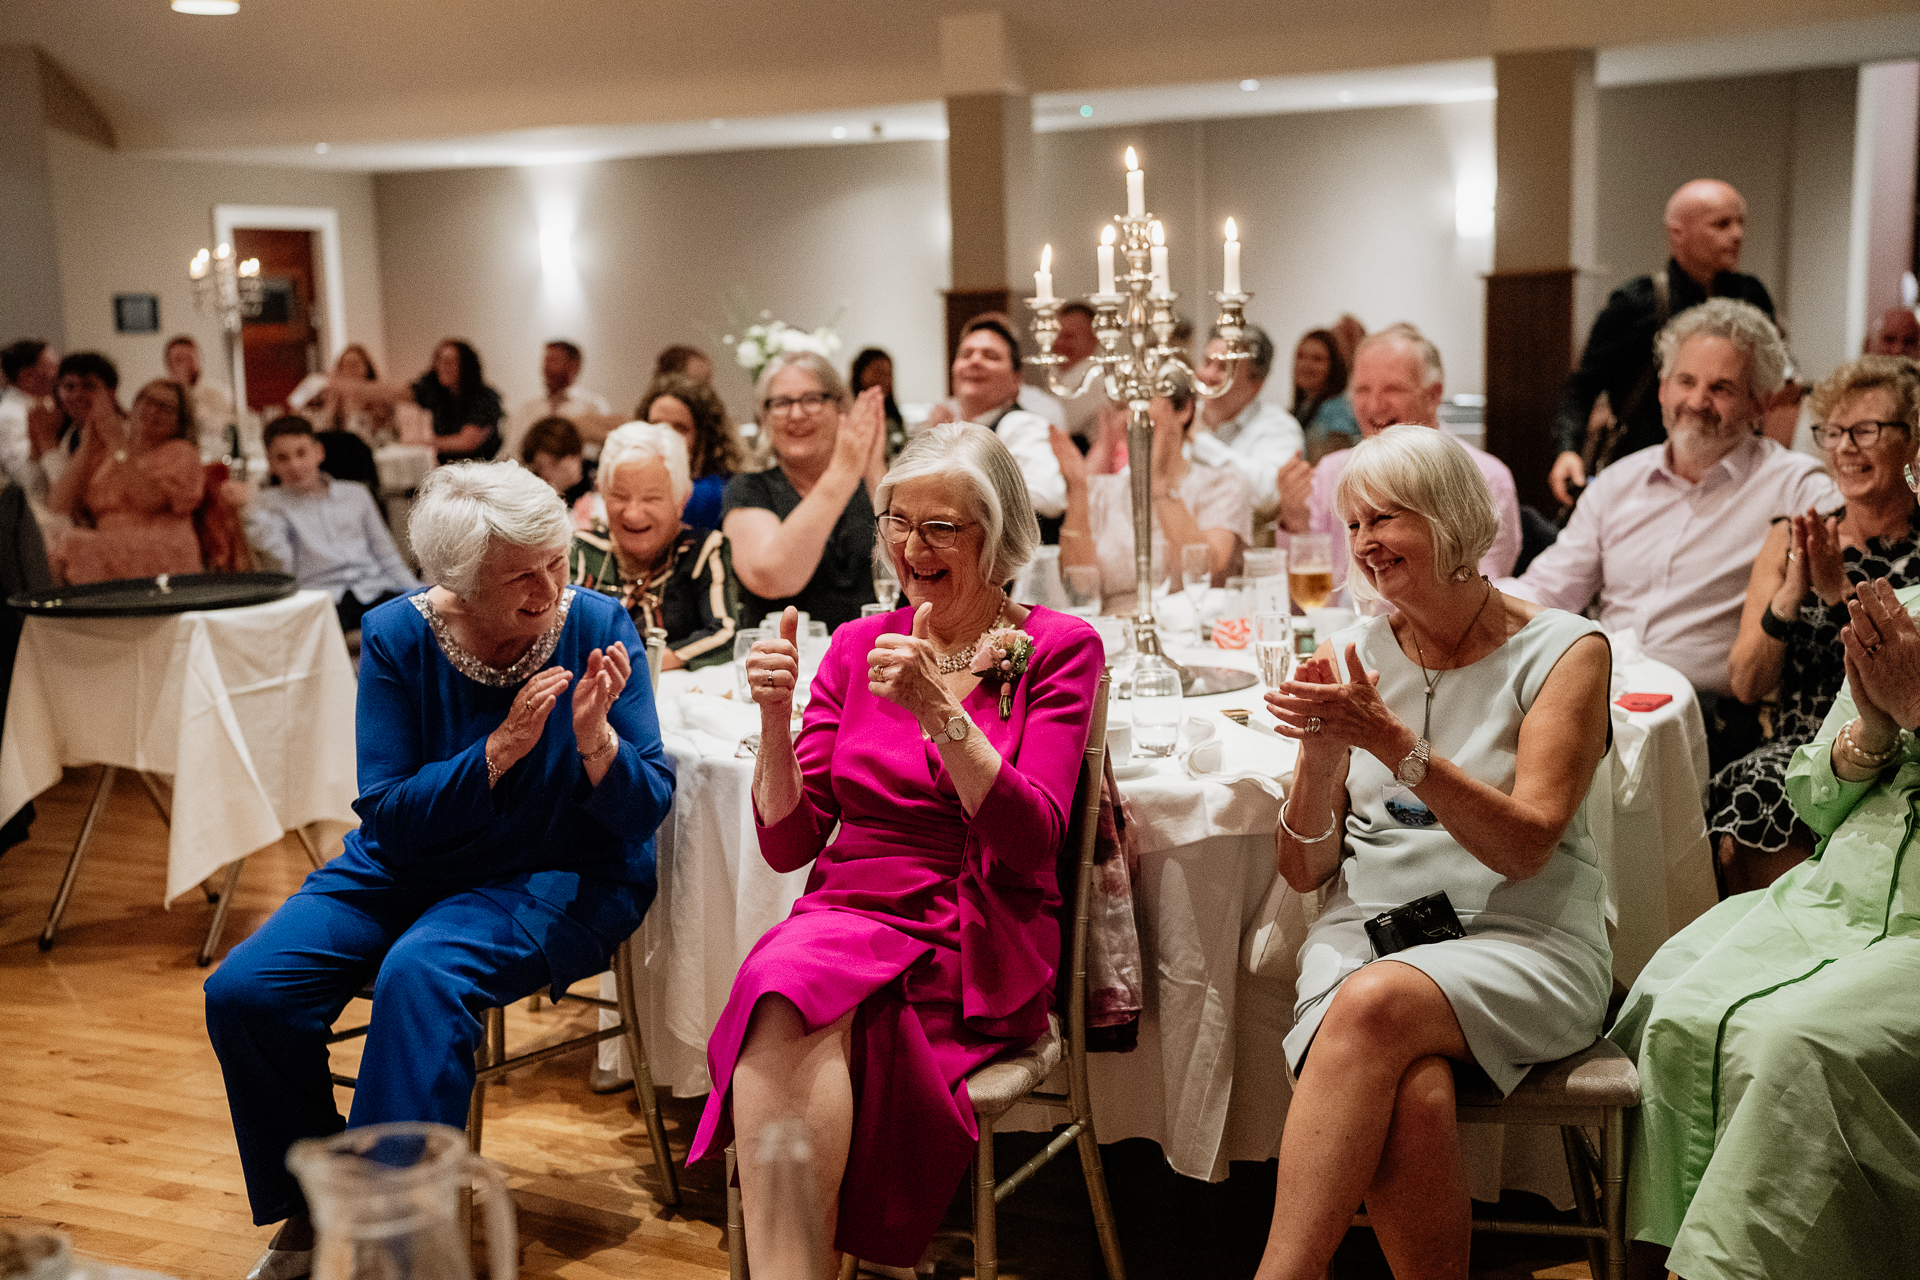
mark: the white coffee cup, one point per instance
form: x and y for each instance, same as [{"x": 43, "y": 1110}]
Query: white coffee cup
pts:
[{"x": 1120, "y": 744}]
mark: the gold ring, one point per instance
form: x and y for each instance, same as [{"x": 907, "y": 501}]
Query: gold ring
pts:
[{"x": 1313, "y": 724}]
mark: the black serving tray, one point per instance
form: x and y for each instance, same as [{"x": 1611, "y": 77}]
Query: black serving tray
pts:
[{"x": 155, "y": 597}]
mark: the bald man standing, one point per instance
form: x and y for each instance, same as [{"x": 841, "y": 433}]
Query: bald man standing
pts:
[{"x": 1706, "y": 222}]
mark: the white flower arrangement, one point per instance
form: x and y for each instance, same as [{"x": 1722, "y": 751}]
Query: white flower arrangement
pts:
[{"x": 767, "y": 338}]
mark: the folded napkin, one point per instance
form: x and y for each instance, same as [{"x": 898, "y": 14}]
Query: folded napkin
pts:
[{"x": 1221, "y": 751}]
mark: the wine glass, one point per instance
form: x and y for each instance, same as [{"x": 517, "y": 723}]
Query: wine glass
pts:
[
  {"x": 1082, "y": 582},
  {"x": 886, "y": 586},
  {"x": 1273, "y": 647},
  {"x": 1310, "y": 569},
  {"x": 1196, "y": 575}
]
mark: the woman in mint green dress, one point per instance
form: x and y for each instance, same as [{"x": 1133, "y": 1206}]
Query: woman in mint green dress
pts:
[
  {"x": 1778, "y": 1036},
  {"x": 1452, "y": 744}
]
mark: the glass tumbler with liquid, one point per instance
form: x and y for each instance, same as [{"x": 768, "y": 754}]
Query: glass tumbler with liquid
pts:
[
  {"x": 1310, "y": 569},
  {"x": 1156, "y": 707},
  {"x": 1273, "y": 647}
]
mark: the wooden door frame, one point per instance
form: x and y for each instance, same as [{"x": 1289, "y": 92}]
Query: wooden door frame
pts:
[{"x": 323, "y": 222}]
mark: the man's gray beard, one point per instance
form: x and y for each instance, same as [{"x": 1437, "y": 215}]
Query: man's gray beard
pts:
[{"x": 1690, "y": 433}]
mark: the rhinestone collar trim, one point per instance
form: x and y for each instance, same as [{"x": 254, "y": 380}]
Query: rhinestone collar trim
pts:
[{"x": 472, "y": 668}]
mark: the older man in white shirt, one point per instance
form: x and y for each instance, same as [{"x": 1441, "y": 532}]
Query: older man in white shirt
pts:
[
  {"x": 987, "y": 390},
  {"x": 559, "y": 368},
  {"x": 1242, "y": 431},
  {"x": 28, "y": 368},
  {"x": 1664, "y": 539}
]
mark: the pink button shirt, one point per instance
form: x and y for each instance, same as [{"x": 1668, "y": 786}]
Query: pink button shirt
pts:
[
  {"x": 1501, "y": 556},
  {"x": 1670, "y": 559}
]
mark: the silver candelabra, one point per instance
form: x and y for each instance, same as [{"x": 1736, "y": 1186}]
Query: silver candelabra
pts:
[
  {"x": 1136, "y": 361},
  {"x": 230, "y": 291}
]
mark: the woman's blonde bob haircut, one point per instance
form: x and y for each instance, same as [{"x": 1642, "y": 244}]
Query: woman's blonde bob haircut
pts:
[
  {"x": 462, "y": 508},
  {"x": 996, "y": 491},
  {"x": 1427, "y": 472}
]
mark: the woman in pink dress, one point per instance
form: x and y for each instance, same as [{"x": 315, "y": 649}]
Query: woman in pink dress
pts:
[
  {"x": 131, "y": 489},
  {"x": 927, "y": 940}
]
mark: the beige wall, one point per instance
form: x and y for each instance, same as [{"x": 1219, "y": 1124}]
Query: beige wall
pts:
[
  {"x": 129, "y": 225},
  {"x": 661, "y": 246},
  {"x": 1338, "y": 211}
]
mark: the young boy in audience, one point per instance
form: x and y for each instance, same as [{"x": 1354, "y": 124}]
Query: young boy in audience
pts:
[
  {"x": 555, "y": 451},
  {"x": 325, "y": 532}
]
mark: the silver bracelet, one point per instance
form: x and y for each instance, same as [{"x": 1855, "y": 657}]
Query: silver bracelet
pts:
[
  {"x": 1284, "y": 826},
  {"x": 612, "y": 743}
]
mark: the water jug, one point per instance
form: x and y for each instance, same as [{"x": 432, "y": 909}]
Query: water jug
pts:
[{"x": 385, "y": 1201}]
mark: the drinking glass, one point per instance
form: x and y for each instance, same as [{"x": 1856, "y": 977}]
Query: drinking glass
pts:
[
  {"x": 1082, "y": 583},
  {"x": 1196, "y": 575},
  {"x": 743, "y": 645},
  {"x": 1273, "y": 647},
  {"x": 1156, "y": 707},
  {"x": 1269, "y": 574},
  {"x": 1310, "y": 569},
  {"x": 1263, "y": 562},
  {"x": 886, "y": 586},
  {"x": 869, "y": 610}
]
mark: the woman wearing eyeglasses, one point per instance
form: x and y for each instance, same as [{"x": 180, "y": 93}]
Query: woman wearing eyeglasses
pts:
[
  {"x": 932, "y": 804},
  {"x": 802, "y": 529},
  {"x": 1810, "y": 566}
]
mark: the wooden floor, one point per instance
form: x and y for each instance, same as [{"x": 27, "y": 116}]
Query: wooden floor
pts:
[{"x": 113, "y": 1120}]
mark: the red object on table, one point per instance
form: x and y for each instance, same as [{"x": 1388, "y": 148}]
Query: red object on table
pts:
[
  {"x": 1643, "y": 701},
  {"x": 1232, "y": 633}
]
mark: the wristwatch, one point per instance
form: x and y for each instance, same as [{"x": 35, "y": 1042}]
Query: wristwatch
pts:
[
  {"x": 1412, "y": 771},
  {"x": 955, "y": 730}
]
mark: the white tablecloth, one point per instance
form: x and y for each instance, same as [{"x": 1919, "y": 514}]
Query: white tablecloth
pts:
[
  {"x": 250, "y": 710},
  {"x": 1208, "y": 1081}
]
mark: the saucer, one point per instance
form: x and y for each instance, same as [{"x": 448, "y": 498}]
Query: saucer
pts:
[{"x": 1134, "y": 769}]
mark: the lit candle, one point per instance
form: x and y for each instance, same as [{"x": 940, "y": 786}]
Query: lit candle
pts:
[
  {"x": 224, "y": 252},
  {"x": 1136, "y": 187},
  {"x": 1159, "y": 259},
  {"x": 1043, "y": 278},
  {"x": 1232, "y": 282},
  {"x": 201, "y": 264},
  {"x": 1105, "y": 254}
]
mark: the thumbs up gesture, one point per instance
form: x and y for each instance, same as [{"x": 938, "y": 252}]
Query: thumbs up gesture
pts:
[
  {"x": 905, "y": 669},
  {"x": 773, "y": 668}
]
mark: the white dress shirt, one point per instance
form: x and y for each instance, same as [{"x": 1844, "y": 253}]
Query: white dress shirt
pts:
[
  {"x": 1026, "y": 437},
  {"x": 332, "y": 541},
  {"x": 1256, "y": 442},
  {"x": 575, "y": 402},
  {"x": 1670, "y": 559},
  {"x": 16, "y": 451}
]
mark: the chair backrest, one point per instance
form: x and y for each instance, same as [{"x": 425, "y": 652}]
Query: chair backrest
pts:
[{"x": 1083, "y": 830}]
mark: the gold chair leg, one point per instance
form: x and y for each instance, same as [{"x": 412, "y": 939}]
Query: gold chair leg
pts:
[
  {"x": 493, "y": 1049},
  {"x": 1104, "y": 1225},
  {"x": 1581, "y": 1179},
  {"x": 644, "y": 1092},
  {"x": 1613, "y": 1157},
  {"x": 736, "y": 1221},
  {"x": 986, "y": 1233}
]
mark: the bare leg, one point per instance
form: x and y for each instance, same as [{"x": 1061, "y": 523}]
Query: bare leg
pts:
[
  {"x": 1384, "y": 1019},
  {"x": 1744, "y": 868},
  {"x": 1418, "y": 1200},
  {"x": 784, "y": 1071}
]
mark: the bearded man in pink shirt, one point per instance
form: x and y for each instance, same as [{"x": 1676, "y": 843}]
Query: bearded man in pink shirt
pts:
[{"x": 1664, "y": 539}]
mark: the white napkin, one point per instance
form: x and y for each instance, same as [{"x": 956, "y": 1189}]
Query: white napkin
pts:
[{"x": 1222, "y": 751}]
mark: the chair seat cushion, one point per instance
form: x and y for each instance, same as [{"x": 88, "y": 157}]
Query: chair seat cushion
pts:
[
  {"x": 1600, "y": 1075},
  {"x": 995, "y": 1087}
]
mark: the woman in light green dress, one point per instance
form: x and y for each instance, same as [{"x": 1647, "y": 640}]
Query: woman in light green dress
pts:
[
  {"x": 1452, "y": 745},
  {"x": 1778, "y": 1036}
]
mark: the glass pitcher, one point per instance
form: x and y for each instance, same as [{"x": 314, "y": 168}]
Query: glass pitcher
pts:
[{"x": 385, "y": 1201}]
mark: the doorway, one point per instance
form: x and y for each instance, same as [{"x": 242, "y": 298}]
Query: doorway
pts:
[
  {"x": 324, "y": 313},
  {"x": 281, "y": 345}
]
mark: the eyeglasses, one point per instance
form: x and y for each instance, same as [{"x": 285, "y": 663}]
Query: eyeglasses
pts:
[
  {"x": 1827, "y": 435},
  {"x": 812, "y": 402},
  {"x": 938, "y": 534}
]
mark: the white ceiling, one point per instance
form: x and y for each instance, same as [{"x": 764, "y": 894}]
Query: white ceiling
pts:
[{"x": 420, "y": 84}]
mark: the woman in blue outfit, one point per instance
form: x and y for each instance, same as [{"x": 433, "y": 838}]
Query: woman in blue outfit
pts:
[{"x": 511, "y": 777}]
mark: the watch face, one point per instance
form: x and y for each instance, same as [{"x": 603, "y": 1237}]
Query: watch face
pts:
[{"x": 956, "y": 728}]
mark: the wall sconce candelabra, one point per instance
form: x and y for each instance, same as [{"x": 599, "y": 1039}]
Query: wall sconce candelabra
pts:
[
  {"x": 230, "y": 291},
  {"x": 1133, "y": 322}
]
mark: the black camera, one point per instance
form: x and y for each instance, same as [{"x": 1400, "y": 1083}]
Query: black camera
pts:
[{"x": 1428, "y": 919}]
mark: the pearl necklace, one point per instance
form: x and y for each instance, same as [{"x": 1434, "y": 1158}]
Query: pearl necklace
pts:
[{"x": 961, "y": 659}]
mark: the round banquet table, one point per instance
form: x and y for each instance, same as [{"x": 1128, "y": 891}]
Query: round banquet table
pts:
[{"x": 1207, "y": 1080}]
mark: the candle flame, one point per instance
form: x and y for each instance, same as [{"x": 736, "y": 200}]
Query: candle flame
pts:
[
  {"x": 1132, "y": 161},
  {"x": 251, "y": 267},
  {"x": 1233, "y": 232},
  {"x": 1046, "y": 257},
  {"x": 1159, "y": 232},
  {"x": 224, "y": 252},
  {"x": 1106, "y": 237}
]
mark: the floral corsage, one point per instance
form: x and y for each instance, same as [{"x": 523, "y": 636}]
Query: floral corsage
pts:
[{"x": 1002, "y": 660}]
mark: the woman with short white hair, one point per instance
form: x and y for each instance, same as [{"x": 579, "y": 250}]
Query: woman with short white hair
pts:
[
  {"x": 931, "y": 801},
  {"x": 511, "y": 777},
  {"x": 664, "y": 572},
  {"x": 1450, "y": 746}
]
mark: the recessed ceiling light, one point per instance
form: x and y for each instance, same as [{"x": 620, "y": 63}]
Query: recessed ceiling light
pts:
[
  {"x": 1345, "y": 95},
  {"x": 207, "y": 8},
  {"x": 321, "y": 148},
  {"x": 1249, "y": 85},
  {"x": 459, "y": 157},
  {"x": 1086, "y": 110},
  {"x": 839, "y": 131}
]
